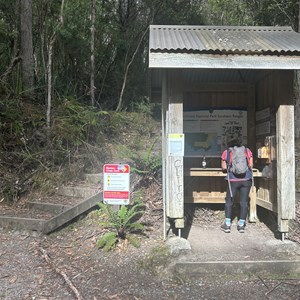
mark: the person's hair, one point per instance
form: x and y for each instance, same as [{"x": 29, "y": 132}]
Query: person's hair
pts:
[{"x": 234, "y": 142}]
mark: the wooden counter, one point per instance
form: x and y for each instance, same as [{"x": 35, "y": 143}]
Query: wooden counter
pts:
[
  {"x": 213, "y": 190},
  {"x": 214, "y": 172}
]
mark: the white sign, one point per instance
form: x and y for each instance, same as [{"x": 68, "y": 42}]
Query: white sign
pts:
[
  {"x": 176, "y": 144},
  {"x": 116, "y": 184}
]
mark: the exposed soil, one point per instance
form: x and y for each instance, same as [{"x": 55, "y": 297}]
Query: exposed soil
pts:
[{"x": 35, "y": 266}]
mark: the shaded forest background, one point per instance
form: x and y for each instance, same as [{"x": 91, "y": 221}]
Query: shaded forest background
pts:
[{"x": 74, "y": 74}]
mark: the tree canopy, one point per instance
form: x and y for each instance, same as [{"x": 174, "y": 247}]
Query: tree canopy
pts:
[
  {"x": 64, "y": 64},
  {"x": 121, "y": 39}
]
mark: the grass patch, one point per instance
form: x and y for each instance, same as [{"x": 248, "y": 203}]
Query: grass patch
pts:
[{"x": 157, "y": 260}]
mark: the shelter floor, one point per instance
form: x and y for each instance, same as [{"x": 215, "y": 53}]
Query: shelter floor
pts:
[{"x": 258, "y": 243}]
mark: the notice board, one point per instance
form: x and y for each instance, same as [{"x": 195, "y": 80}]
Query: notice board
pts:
[
  {"x": 207, "y": 132},
  {"x": 116, "y": 184}
]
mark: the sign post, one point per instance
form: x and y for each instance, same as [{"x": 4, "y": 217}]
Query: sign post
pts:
[{"x": 116, "y": 184}]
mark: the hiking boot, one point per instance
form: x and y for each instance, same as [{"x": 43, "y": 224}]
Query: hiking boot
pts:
[
  {"x": 225, "y": 228},
  {"x": 241, "y": 228}
]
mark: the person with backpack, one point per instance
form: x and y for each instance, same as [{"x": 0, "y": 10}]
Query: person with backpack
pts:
[{"x": 237, "y": 160}]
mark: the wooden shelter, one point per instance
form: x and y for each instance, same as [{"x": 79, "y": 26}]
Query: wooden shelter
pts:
[{"x": 215, "y": 83}]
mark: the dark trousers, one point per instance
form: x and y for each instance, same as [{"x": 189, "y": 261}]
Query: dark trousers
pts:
[{"x": 244, "y": 188}]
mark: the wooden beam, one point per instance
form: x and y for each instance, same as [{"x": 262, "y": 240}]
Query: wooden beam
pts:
[
  {"x": 266, "y": 204},
  {"x": 175, "y": 168},
  {"x": 285, "y": 166},
  {"x": 216, "y": 87},
  {"x": 164, "y": 100},
  {"x": 208, "y": 200},
  {"x": 251, "y": 134}
]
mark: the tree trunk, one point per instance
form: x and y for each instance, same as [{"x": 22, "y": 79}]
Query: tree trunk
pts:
[
  {"x": 49, "y": 80},
  {"x": 297, "y": 92},
  {"x": 49, "y": 69},
  {"x": 26, "y": 45},
  {"x": 93, "y": 19}
]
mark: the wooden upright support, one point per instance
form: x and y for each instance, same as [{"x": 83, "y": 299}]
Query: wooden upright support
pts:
[
  {"x": 174, "y": 164},
  {"x": 285, "y": 166}
]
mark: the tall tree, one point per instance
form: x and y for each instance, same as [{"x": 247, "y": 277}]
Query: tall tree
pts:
[
  {"x": 49, "y": 67},
  {"x": 26, "y": 45},
  {"x": 92, "y": 85},
  {"x": 297, "y": 93}
]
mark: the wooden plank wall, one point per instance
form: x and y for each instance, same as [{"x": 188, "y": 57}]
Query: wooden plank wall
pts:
[
  {"x": 213, "y": 96},
  {"x": 275, "y": 90}
]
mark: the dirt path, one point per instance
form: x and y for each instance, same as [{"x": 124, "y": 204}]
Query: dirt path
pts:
[{"x": 124, "y": 274}]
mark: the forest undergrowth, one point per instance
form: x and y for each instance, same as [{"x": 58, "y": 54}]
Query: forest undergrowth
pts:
[{"x": 80, "y": 140}]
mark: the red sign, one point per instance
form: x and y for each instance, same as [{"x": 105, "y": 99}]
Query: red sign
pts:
[
  {"x": 116, "y": 184},
  {"x": 116, "y": 168},
  {"x": 116, "y": 195}
]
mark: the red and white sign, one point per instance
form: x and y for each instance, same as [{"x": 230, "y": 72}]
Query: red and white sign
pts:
[{"x": 116, "y": 184}]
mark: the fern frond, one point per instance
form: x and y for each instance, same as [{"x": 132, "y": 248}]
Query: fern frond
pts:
[
  {"x": 107, "y": 239},
  {"x": 136, "y": 227},
  {"x": 111, "y": 244},
  {"x": 133, "y": 240}
]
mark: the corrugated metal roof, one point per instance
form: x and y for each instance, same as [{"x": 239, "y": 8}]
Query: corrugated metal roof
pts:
[{"x": 224, "y": 40}]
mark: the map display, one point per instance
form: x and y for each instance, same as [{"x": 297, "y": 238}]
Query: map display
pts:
[{"x": 207, "y": 132}]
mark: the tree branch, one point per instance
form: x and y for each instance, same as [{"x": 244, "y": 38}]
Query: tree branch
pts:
[
  {"x": 13, "y": 63},
  {"x": 127, "y": 69},
  {"x": 63, "y": 274}
]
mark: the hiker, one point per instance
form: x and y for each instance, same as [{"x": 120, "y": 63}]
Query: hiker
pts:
[{"x": 237, "y": 160}]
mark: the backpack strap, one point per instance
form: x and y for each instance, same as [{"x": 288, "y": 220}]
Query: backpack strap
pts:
[
  {"x": 229, "y": 157},
  {"x": 247, "y": 156}
]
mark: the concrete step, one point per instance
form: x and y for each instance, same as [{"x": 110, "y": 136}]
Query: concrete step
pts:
[
  {"x": 9, "y": 222},
  {"x": 54, "y": 216},
  {"x": 257, "y": 252},
  {"x": 73, "y": 212},
  {"x": 49, "y": 213},
  {"x": 48, "y": 207},
  {"x": 239, "y": 269},
  {"x": 78, "y": 191},
  {"x": 96, "y": 178}
]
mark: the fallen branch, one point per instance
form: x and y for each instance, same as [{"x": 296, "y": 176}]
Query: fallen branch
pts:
[
  {"x": 63, "y": 274},
  {"x": 274, "y": 288},
  {"x": 263, "y": 282}
]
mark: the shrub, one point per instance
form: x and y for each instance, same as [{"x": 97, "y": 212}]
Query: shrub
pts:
[{"x": 122, "y": 225}]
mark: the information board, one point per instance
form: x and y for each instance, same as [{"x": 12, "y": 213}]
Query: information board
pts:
[
  {"x": 116, "y": 181},
  {"x": 207, "y": 132},
  {"x": 176, "y": 144}
]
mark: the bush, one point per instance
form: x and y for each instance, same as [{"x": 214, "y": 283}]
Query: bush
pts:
[{"x": 123, "y": 224}]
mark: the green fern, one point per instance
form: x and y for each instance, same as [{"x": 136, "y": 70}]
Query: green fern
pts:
[
  {"x": 123, "y": 223},
  {"x": 107, "y": 241}
]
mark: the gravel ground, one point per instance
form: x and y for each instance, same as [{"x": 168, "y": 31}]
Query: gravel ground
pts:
[{"x": 34, "y": 266}]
